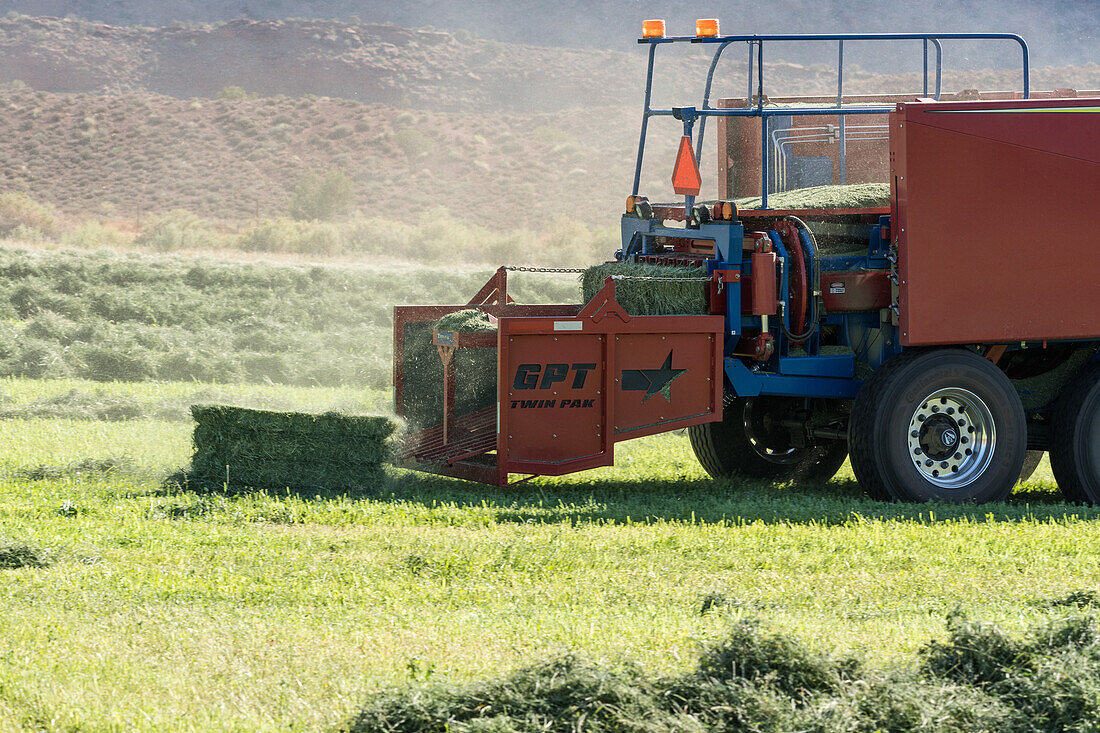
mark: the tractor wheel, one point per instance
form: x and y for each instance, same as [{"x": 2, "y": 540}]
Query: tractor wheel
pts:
[
  {"x": 750, "y": 442},
  {"x": 1031, "y": 462},
  {"x": 943, "y": 425},
  {"x": 1075, "y": 439}
]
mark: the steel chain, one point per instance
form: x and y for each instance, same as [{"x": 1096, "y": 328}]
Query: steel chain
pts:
[
  {"x": 519, "y": 268},
  {"x": 662, "y": 279}
]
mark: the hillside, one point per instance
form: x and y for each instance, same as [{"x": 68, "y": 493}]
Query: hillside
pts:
[
  {"x": 1061, "y": 31},
  {"x": 128, "y": 155},
  {"x": 120, "y": 122},
  {"x": 375, "y": 63}
]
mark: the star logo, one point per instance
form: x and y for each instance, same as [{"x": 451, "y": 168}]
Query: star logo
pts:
[{"x": 652, "y": 381}]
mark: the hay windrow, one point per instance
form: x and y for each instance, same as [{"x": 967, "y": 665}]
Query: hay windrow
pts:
[
  {"x": 856, "y": 196},
  {"x": 15, "y": 555},
  {"x": 262, "y": 449},
  {"x": 979, "y": 678},
  {"x": 475, "y": 370},
  {"x": 650, "y": 297}
]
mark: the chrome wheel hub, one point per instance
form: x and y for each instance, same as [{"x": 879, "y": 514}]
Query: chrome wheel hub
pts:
[{"x": 952, "y": 437}]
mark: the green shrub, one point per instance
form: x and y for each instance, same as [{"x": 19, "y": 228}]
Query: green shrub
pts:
[
  {"x": 413, "y": 142},
  {"x": 275, "y": 235},
  {"x": 93, "y": 235},
  {"x": 22, "y": 215},
  {"x": 322, "y": 197},
  {"x": 178, "y": 229},
  {"x": 234, "y": 93}
]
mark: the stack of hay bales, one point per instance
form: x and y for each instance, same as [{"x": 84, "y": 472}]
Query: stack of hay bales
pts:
[
  {"x": 650, "y": 297},
  {"x": 475, "y": 370},
  {"x": 261, "y": 449}
]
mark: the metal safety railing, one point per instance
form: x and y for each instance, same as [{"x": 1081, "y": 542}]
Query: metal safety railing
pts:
[
  {"x": 784, "y": 140},
  {"x": 688, "y": 115}
]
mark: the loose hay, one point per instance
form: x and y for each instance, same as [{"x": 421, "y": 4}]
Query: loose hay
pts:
[
  {"x": 475, "y": 370},
  {"x": 856, "y": 196},
  {"x": 261, "y": 449},
  {"x": 15, "y": 555},
  {"x": 977, "y": 679},
  {"x": 650, "y": 297}
]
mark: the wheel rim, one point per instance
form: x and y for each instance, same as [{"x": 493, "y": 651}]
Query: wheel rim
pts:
[
  {"x": 766, "y": 440},
  {"x": 952, "y": 437}
]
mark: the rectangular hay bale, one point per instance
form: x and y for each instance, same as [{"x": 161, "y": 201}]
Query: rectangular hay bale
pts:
[
  {"x": 263, "y": 449},
  {"x": 650, "y": 297}
]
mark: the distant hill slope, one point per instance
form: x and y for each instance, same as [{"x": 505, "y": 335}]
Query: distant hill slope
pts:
[
  {"x": 129, "y": 155},
  {"x": 1062, "y": 31},
  {"x": 374, "y": 63},
  {"x": 116, "y": 122}
]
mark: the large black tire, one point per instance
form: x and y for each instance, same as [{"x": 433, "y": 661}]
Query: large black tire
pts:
[
  {"x": 942, "y": 425},
  {"x": 1075, "y": 439},
  {"x": 748, "y": 443}
]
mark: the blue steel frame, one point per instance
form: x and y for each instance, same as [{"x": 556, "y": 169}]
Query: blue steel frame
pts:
[
  {"x": 688, "y": 115},
  {"x": 870, "y": 338}
]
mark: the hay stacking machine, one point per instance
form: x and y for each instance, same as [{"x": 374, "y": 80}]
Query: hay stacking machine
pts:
[{"x": 943, "y": 338}]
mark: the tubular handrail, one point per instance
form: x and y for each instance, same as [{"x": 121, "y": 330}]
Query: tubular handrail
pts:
[{"x": 756, "y": 63}]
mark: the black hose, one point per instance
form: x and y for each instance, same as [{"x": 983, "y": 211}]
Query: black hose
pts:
[{"x": 815, "y": 307}]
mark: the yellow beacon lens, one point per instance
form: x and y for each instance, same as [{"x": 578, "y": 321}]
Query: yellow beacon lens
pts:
[
  {"x": 706, "y": 27},
  {"x": 653, "y": 29}
]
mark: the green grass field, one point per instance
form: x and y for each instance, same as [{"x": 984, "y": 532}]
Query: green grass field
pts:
[{"x": 165, "y": 609}]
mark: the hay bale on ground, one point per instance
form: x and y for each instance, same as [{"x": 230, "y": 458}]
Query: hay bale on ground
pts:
[
  {"x": 475, "y": 370},
  {"x": 650, "y": 297},
  {"x": 261, "y": 449},
  {"x": 856, "y": 196}
]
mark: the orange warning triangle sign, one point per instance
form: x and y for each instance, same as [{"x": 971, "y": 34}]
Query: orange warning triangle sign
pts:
[{"x": 685, "y": 174}]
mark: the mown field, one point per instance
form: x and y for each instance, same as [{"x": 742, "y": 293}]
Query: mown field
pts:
[{"x": 140, "y": 605}]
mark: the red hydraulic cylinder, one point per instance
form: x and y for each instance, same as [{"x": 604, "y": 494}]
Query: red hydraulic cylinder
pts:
[{"x": 763, "y": 284}]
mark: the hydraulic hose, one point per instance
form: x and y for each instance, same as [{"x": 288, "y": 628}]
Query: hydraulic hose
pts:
[{"x": 815, "y": 279}]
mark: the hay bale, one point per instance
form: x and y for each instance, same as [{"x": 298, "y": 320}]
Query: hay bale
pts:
[
  {"x": 650, "y": 297},
  {"x": 475, "y": 370},
  {"x": 262, "y": 449},
  {"x": 470, "y": 320},
  {"x": 1041, "y": 390},
  {"x": 856, "y": 196}
]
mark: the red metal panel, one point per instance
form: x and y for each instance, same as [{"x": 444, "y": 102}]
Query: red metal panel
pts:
[
  {"x": 665, "y": 381},
  {"x": 997, "y": 220},
  {"x": 846, "y": 292},
  {"x": 643, "y": 375},
  {"x": 552, "y": 395}
]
